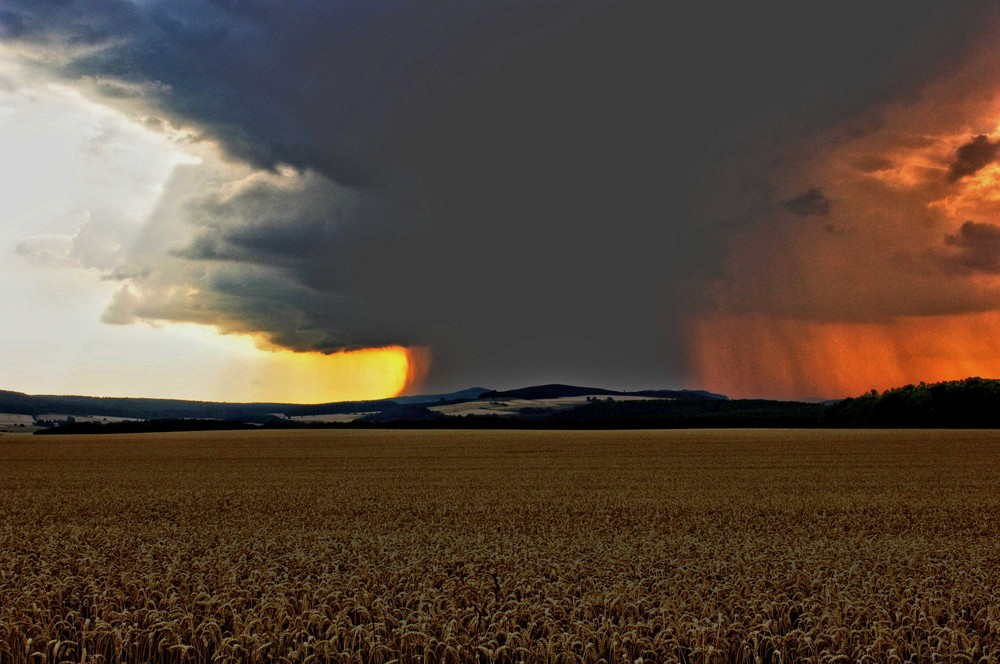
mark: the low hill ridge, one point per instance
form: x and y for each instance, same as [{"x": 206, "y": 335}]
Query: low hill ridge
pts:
[
  {"x": 560, "y": 391},
  {"x": 967, "y": 404}
]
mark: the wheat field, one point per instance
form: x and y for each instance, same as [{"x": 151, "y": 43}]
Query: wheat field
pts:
[{"x": 477, "y": 546}]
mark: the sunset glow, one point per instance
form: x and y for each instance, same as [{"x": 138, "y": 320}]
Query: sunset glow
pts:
[
  {"x": 197, "y": 362},
  {"x": 880, "y": 267},
  {"x": 756, "y": 356},
  {"x": 284, "y": 376},
  {"x": 226, "y": 201},
  {"x": 90, "y": 198}
]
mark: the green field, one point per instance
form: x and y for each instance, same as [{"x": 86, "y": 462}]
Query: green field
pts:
[{"x": 373, "y": 546}]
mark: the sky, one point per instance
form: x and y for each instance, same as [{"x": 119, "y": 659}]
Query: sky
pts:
[{"x": 318, "y": 200}]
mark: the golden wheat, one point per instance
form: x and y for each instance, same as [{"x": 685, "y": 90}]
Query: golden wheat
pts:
[{"x": 704, "y": 546}]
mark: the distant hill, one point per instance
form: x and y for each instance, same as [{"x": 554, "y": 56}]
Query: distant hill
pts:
[
  {"x": 969, "y": 403},
  {"x": 687, "y": 395},
  {"x": 554, "y": 391},
  {"x": 163, "y": 409},
  {"x": 973, "y": 403},
  {"x": 147, "y": 409},
  {"x": 557, "y": 391},
  {"x": 169, "y": 409},
  {"x": 469, "y": 394}
]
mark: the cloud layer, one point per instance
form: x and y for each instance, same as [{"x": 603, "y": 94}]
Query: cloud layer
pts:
[
  {"x": 884, "y": 271},
  {"x": 543, "y": 191}
]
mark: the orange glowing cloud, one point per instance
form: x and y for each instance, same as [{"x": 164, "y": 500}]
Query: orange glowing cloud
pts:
[
  {"x": 280, "y": 375},
  {"x": 197, "y": 362},
  {"x": 762, "y": 356},
  {"x": 877, "y": 263}
]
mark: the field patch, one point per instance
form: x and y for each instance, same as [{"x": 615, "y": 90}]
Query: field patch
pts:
[{"x": 356, "y": 545}]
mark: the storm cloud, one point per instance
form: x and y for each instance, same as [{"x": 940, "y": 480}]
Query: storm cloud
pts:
[
  {"x": 972, "y": 156},
  {"x": 537, "y": 191},
  {"x": 809, "y": 203},
  {"x": 974, "y": 248}
]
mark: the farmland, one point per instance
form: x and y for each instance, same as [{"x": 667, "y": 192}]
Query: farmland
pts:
[{"x": 373, "y": 546}]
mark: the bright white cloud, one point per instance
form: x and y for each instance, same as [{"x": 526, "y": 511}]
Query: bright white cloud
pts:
[
  {"x": 79, "y": 184},
  {"x": 78, "y": 181}
]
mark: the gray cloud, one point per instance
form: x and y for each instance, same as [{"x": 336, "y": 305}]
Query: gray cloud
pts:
[
  {"x": 974, "y": 249},
  {"x": 231, "y": 248},
  {"x": 11, "y": 24},
  {"x": 972, "y": 156},
  {"x": 525, "y": 188},
  {"x": 809, "y": 203}
]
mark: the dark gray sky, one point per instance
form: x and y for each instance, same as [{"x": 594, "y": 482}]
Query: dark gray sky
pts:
[{"x": 539, "y": 191}]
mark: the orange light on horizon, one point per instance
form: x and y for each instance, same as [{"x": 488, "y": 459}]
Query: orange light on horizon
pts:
[
  {"x": 198, "y": 362},
  {"x": 887, "y": 284},
  {"x": 285, "y": 376},
  {"x": 760, "y": 356}
]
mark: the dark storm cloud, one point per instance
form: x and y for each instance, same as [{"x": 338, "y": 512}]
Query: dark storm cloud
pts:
[
  {"x": 238, "y": 298},
  {"x": 810, "y": 203},
  {"x": 972, "y": 156},
  {"x": 526, "y": 188},
  {"x": 11, "y": 24},
  {"x": 974, "y": 249},
  {"x": 873, "y": 164}
]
